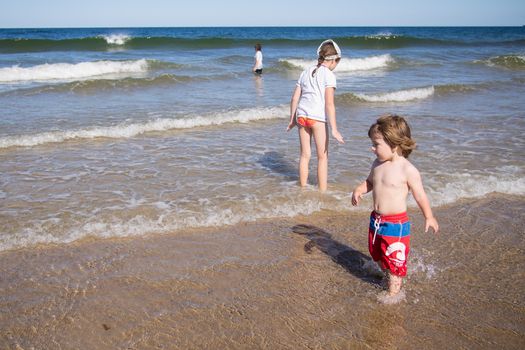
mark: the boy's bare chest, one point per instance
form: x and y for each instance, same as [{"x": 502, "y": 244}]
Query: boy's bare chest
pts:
[{"x": 389, "y": 176}]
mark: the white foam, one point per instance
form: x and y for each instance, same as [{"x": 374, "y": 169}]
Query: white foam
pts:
[
  {"x": 367, "y": 63},
  {"x": 124, "y": 130},
  {"x": 170, "y": 217},
  {"x": 399, "y": 96},
  {"x": 70, "y": 71},
  {"x": 417, "y": 265},
  {"x": 382, "y": 35},
  {"x": 465, "y": 185},
  {"x": 386, "y": 299},
  {"x": 116, "y": 39},
  {"x": 169, "y": 220},
  {"x": 348, "y": 64},
  {"x": 447, "y": 188}
]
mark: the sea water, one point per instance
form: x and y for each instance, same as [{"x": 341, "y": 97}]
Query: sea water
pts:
[{"x": 136, "y": 131}]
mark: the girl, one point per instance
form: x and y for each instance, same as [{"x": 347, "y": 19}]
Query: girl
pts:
[{"x": 312, "y": 103}]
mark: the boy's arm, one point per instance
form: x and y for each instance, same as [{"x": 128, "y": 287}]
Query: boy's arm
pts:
[
  {"x": 293, "y": 106},
  {"x": 365, "y": 187},
  {"x": 330, "y": 112},
  {"x": 416, "y": 186}
]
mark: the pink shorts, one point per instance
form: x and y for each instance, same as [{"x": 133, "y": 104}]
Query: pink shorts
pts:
[{"x": 389, "y": 241}]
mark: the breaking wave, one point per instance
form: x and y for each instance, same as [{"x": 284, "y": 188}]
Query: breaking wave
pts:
[
  {"x": 127, "y": 130},
  {"x": 103, "y": 83},
  {"x": 414, "y": 94},
  {"x": 395, "y": 96},
  {"x": 116, "y": 39},
  {"x": 109, "y": 41},
  {"x": 516, "y": 62},
  {"x": 71, "y": 71},
  {"x": 168, "y": 217},
  {"x": 346, "y": 64}
]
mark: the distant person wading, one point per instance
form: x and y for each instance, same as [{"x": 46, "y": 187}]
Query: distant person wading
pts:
[{"x": 258, "y": 60}]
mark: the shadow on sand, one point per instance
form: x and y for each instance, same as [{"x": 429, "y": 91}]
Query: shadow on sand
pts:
[{"x": 353, "y": 261}]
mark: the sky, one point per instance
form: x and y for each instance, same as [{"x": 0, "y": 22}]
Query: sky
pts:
[{"x": 211, "y": 13}]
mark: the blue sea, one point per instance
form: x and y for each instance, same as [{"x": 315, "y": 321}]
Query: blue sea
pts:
[{"x": 112, "y": 132}]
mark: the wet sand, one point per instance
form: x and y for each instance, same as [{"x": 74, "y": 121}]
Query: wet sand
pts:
[{"x": 300, "y": 283}]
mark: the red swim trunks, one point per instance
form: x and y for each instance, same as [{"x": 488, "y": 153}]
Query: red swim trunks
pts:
[
  {"x": 304, "y": 121},
  {"x": 389, "y": 241}
]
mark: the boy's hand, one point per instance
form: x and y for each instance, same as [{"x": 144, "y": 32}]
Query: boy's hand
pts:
[
  {"x": 356, "y": 198},
  {"x": 337, "y": 135},
  {"x": 431, "y": 222}
]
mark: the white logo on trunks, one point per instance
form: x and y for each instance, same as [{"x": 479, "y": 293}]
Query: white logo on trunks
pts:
[{"x": 397, "y": 250}]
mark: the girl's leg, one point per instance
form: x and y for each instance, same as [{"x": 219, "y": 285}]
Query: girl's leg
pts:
[
  {"x": 320, "y": 131},
  {"x": 305, "y": 137}
]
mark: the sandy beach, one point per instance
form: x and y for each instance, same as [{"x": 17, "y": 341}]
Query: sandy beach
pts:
[{"x": 292, "y": 283}]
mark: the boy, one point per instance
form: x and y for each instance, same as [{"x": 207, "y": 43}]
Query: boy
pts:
[{"x": 391, "y": 178}]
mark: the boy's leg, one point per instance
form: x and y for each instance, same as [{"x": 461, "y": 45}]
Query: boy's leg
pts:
[
  {"x": 320, "y": 131},
  {"x": 305, "y": 136},
  {"x": 394, "y": 284}
]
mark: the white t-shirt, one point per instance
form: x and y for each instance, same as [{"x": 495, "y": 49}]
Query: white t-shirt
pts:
[
  {"x": 258, "y": 60},
  {"x": 312, "y": 101}
]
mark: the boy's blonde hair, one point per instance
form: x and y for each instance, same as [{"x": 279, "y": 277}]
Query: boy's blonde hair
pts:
[{"x": 395, "y": 131}]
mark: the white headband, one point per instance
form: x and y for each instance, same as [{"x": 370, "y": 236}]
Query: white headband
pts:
[{"x": 337, "y": 49}]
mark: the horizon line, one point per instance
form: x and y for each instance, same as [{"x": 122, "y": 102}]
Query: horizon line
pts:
[{"x": 273, "y": 26}]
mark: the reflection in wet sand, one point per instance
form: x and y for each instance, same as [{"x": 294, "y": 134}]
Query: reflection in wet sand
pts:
[{"x": 259, "y": 85}]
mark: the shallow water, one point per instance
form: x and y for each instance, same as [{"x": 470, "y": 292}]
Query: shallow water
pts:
[{"x": 123, "y": 132}]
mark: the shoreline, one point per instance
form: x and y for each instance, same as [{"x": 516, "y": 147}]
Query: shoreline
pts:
[
  {"x": 198, "y": 230},
  {"x": 301, "y": 282}
]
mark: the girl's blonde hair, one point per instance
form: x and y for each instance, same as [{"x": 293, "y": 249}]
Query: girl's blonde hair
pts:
[
  {"x": 395, "y": 131},
  {"x": 327, "y": 49}
]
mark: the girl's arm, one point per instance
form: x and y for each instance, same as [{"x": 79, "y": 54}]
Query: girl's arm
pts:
[
  {"x": 330, "y": 112},
  {"x": 293, "y": 106},
  {"x": 416, "y": 186}
]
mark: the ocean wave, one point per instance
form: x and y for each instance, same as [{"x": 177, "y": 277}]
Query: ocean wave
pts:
[
  {"x": 463, "y": 88},
  {"x": 102, "y": 84},
  {"x": 395, "y": 96},
  {"x": 124, "y": 41},
  {"x": 516, "y": 62},
  {"x": 444, "y": 188},
  {"x": 116, "y": 39},
  {"x": 42, "y": 45},
  {"x": 127, "y": 130},
  {"x": 414, "y": 94},
  {"x": 466, "y": 185},
  {"x": 346, "y": 64},
  {"x": 71, "y": 71},
  {"x": 164, "y": 217},
  {"x": 168, "y": 219}
]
